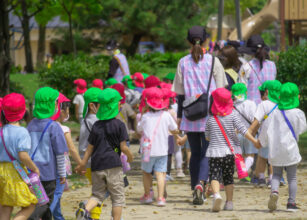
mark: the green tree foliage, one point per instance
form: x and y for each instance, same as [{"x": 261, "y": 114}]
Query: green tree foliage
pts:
[
  {"x": 257, "y": 5},
  {"x": 160, "y": 20},
  {"x": 292, "y": 67}
]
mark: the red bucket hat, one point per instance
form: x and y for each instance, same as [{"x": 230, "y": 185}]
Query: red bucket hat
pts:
[
  {"x": 152, "y": 81},
  {"x": 154, "y": 98},
  {"x": 166, "y": 97},
  {"x": 97, "y": 83},
  {"x": 138, "y": 80},
  {"x": 0, "y": 110},
  {"x": 121, "y": 89},
  {"x": 143, "y": 100},
  {"x": 14, "y": 107},
  {"x": 222, "y": 103},
  {"x": 62, "y": 98},
  {"x": 81, "y": 85},
  {"x": 164, "y": 85}
]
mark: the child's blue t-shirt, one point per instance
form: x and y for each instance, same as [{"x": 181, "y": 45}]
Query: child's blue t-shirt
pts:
[
  {"x": 53, "y": 144},
  {"x": 16, "y": 139}
]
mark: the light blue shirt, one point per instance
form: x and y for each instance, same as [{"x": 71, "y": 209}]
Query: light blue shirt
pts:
[{"x": 16, "y": 139}]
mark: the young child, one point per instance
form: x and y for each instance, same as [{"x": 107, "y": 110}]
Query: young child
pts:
[
  {"x": 17, "y": 141},
  {"x": 107, "y": 140},
  {"x": 62, "y": 116},
  {"x": 155, "y": 126},
  {"x": 79, "y": 100},
  {"x": 138, "y": 80},
  {"x": 48, "y": 146},
  {"x": 97, "y": 83},
  {"x": 221, "y": 159},
  {"x": 246, "y": 110},
  {"x": 110, "y": 82},
  {"x": 132, "y": 97},
  {"x": 152, "y": 81},
  {"x": 264, "y": 110},
  {"x": 281, "y": 134}
]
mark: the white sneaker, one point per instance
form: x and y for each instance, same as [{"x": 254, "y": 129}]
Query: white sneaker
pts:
[
  {"x": 272, "y": 205},
  {"x": 180, "y": 173},
  {"x": 217, "y": 202}
]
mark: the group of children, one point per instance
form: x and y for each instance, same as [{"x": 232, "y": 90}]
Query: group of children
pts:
[{"x": 145, "y": 104}]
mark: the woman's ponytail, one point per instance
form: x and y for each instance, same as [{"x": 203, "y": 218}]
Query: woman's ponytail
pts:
[
  {"x": 197, "y": 51},
  {"x": 261, "y": 55}
]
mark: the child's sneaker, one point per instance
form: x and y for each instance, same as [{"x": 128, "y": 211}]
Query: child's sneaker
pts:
[
  {"x": 151, "y": 193},
  {"x": 146, "y": 199},
  {"x": 198, "y": 195},
  {"x": 269, "y": 184},
  {"x": 291, "y": 207},
  {"x": 228, "y": 206},
  {"x": 169, "y": 178},
  {"x": 272, "y": 205},
  {"x": 161, "y": 202},
  {"x": 216, "y": 203},
  {"x": 82, "y": 214},
  {"x": 261, "y": 183},
  {"x": 254, "y": 181},
  {"x": 245, "y": 180},
  {"x": 180, "y": 173},
  {"x": 282, "y": 182}
]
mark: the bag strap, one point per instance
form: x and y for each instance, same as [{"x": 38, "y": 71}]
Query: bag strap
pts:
[
  {"x": 289, "y": 124},
  {"x": 2, "y": 137},
  {"x": 255, "y": 73},
  {"x": 40, "y": 139},
  {"x": 210, "y": 77},
  {"x": 242, "y": 115},
  {"x": 224, "y": 134},
  {"x": 122, "y": 116},
  {"x": 155, "y": 131},
  {"x": 120, "y": 65},
  {"x": 267, "y": 115}
]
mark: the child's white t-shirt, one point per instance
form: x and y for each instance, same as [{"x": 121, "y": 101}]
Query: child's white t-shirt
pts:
[
  {"x": 283, "y": 148},
  {"x": 248, "y": 109},
  {"x": 147, "y": 125},
  {"x": 80, "y": 101},
  {"x": 263, "y": 109}
]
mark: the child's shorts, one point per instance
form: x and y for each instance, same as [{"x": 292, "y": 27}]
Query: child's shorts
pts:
[
  {"x": 222, "y": 166},
  {"x": 157, "y": 164},
  {"x": 247, "y": 146},
  {"x": 110, "y": 180},
  {"x": 264, "y": 152}
]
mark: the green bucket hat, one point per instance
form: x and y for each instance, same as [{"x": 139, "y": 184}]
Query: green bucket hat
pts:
[
  {"x": 108, "y": 100},
  {"x": 289, "y": 99},
  {"x": 145, "y": 75},
  {"x": 91, "y": 95},
  {"x": 44, "y": 106},
  {"x": 170, "y": 76},
  {"x": 273, "y": 86},
  {"x": 127, "y": 79},
  {"x": 111, "y": 82},
  {"x": 239, "y": 89},
  {"x": 263, "y": 87}
]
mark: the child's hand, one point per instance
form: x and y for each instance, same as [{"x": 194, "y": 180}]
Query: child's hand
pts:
[
  {"x": 182, "y": 140},
  {"x": 62, "y": 180},
  {"x": 258, "y": 144},
  {"x": 36, "y": 171},
  {"x": 80, "y": 169}
]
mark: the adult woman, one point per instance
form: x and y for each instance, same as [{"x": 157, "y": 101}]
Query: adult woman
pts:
[
  {"x": 192, "y": 78},
  {"x": 259, "y": 69},
  {"x": 118, "y": 65},
  {"x": 230, "y": 61}
]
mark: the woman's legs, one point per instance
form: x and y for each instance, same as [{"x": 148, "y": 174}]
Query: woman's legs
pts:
[{"x": 6, "y": 212}]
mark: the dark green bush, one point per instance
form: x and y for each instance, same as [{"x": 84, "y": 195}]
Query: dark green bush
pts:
[{"x": 292, "y": 67}]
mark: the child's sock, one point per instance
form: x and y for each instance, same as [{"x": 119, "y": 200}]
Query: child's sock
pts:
[
  {"x": 271, "y": 176},
  {"x": 249, "y": 162},
  {"x": 261, "y": 175}
]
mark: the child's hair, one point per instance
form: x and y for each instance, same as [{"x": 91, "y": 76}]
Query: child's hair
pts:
[
  {"x": 65, "y": 105},
  {"x": 152, "y": 109},
  {"x": 229, "y": 57},
  {"x": 197, "y": 52},
  {"x": 261, "y": 55},
  {"x": 3, "y": 119}
]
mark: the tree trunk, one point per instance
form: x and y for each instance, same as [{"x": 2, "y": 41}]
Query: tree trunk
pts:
[
  {"x": 71, "y": 36},
  {"x": 26, "y": 33},
  {"x": 134, "y": 44},
  {"x": 41, "y": 49},
  {"x": 5, "y": 59}
]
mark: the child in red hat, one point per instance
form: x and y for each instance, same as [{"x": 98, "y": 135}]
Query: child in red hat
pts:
[
  {"x": 155, "y": 126},
  {"x": 15, "y": 142},
  {"x": 152, "y": 81},
  {"x": 138, "y": 80},
  {"x": 221, "y": 158},
  {"x": 79, "y": 100},
  {"x": 97, "y": 83}
]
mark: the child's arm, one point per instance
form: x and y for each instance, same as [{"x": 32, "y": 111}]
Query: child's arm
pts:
[
  {"x": 26, "y": 160},
  {"x": 182, "y": 140},
  {"x": 126, "y": 151},
  {"x": 72, "y": 148},
  {"x": 88, "y": 153},
  {"x": 253, "y": 128},
  {"x": 251, "y": 138},
  {"x": 61, "y": 168}
]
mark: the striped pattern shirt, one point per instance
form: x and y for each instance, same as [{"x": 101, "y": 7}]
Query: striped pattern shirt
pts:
[{"x": 218, "y": 146}]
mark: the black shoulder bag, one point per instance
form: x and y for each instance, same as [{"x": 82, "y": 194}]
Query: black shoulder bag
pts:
[{"x": 196, "y": 107}]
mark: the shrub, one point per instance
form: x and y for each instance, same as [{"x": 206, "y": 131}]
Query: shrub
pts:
[{"x": 292, "y": 67}]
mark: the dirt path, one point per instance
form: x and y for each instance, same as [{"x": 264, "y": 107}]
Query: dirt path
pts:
[{"x": 249, "y": 202}]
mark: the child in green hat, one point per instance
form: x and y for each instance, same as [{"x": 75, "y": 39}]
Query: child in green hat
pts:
[
  {"x": 246, "y": 110},
  {"x": 169, "y": 78},
  {"x": 110, "y": 82},
  {"x": 270, "y": 90},
  {"x": 132, "y": 96},
  {"x": 281, "y": 134},
  {"x": 107, "y": 140},
  {"x": 48, "y": 146}
]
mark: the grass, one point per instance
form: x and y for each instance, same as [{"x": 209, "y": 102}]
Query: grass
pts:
[{"x": 27, "y": 83}]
